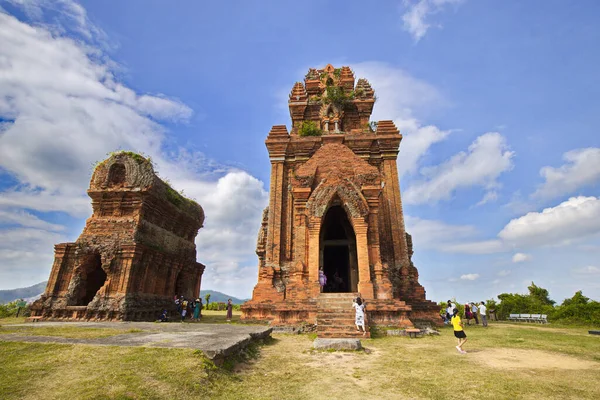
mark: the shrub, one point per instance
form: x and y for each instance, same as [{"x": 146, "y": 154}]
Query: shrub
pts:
[{"x": 309, "y": 128}]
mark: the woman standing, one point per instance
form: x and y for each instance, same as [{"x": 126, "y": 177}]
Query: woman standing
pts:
[
  {"x": 229, "y": 310},
  {"x": 359, "y": 319},
  {"x": 197, "y": 307},
  {"x": 468, "y": 313},
  {"x": 322, "y": 279}
]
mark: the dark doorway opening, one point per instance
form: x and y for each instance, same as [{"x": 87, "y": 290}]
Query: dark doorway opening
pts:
[
  {"x": 92, "y": 278},
  {"x": 338, "y": 252}
]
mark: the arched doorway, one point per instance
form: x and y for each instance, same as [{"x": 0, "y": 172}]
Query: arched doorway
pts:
[
  {"x": 91, "y": 278},
  {"x": 338, "y": 252}
]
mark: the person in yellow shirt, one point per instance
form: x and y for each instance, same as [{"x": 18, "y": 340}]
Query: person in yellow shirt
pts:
[{"x": 459, "y": 333}]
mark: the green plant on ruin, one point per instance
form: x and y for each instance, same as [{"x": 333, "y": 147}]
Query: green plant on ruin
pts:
[
  {"x": 309, "y": 128},
  {"x": 337, "y": 72},
  {"x": 337, "y": 96},
  {"x": 315, "y": 98}
]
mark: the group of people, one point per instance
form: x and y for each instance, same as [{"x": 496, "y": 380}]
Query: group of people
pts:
[
  {"x": 191, "y": 309},
  {"x": 452, "y": 316}
]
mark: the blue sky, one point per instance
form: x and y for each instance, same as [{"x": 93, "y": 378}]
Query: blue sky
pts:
[{"x": 497, "y": 102}]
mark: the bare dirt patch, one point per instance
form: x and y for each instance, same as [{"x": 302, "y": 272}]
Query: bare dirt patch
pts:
[{"x": 505, "y": 358}]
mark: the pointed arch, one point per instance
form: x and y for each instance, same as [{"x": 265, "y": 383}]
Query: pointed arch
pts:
[{"x": 351, "y": 198}]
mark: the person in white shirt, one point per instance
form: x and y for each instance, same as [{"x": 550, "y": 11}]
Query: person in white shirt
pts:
[
  {"x": 450, "y": 310},
  {"x": 482, "y": 311},
  {"x": 474, "y": 311}
]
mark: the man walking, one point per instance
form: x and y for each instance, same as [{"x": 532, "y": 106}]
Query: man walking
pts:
[
  {"x": 483, "y": 310},
  {"x": 474, "y": 311}
]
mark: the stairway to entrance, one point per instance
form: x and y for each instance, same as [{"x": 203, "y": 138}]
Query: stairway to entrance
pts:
[{"x": 335, "y": 316}]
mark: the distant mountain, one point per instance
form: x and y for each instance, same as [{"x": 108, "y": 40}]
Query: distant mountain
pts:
[
  {"x": 6, "y": 296},
  {"x": 32, "y": 293},
  {"x": 219, "y": 297}
]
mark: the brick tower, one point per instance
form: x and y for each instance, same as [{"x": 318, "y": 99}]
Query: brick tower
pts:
[
  {"x": 335, "y": 204},
  {"x": 135, "y": 253}
]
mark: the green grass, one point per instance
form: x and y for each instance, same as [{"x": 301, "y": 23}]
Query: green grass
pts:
[
  {"x": 503, "y": 363},
  {"x": 72, "y": 332}
]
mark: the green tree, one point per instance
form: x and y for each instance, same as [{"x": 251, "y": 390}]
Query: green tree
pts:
[
  {"x": 207, "y": 298},
  {"x": 540, "y": 295}
]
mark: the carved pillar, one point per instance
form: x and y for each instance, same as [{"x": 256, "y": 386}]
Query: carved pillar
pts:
[
  {"x": 314, "y": 229},
  {"x": 391, "y": 194},
  {"x": 365, "y": 286},
  {"x": 275, "y": 205}
]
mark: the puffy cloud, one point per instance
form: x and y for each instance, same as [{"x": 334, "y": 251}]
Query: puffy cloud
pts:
[
  {"x": 486, "y": 159},
  {"x": 68, "y": 110},
  {"x": 521, "y": 257},
  {"x": 572, "y": 219},
  {"x": 64, "y": 109},
  {"x": 25, "y": 219},
  {"x": 26, "y": 256},
  {"x": 582, "y": 168},
  {"x": 417, "y": 12},
  {"x": 469, "y": 277},
  {"x": 434, "y": 234},
  {"x": 504, "y": 272},
  {"x": 400, "y": 97}
]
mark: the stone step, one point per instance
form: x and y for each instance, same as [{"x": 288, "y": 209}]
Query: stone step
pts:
[
  {"x": 337, "y": 295},
  {"x": 343, "y": 327},
  {"x": 341, "y": 334}
]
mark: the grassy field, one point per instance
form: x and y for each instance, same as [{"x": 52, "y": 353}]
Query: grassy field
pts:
[{"x": 505, "y": 361}]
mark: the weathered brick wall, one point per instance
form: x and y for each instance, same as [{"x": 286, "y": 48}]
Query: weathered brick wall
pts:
[{"x": 135, "y": 253}]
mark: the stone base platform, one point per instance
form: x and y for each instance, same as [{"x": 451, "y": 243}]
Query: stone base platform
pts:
[
  {"x": 337, "y": 344},
  {"x": 216, "y": 341}
]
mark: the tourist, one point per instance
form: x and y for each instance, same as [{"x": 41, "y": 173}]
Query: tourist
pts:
[
  {"x": 482, "y": 311},
  {"x": 197, "y": 306},
  {"x": 468, "y": 314},
  {"x": 229, "y": 310},
  {"x": 184, "y": 306},
  {"x": 178, "y": 304},
  {"x": 338, "y": 282},
  {"x": 450, "y": 310},
  {"x": 163, "y": 317},
  {"x": 474, "y": 311},
  {"x": 359, "y": 318},
  {"x": 322, "y": 278},
  {"x": 459, "y": 333}
]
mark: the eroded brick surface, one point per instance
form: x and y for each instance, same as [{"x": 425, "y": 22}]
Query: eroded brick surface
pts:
[
  {"x": 352, "y": 166},
  {"x": 135, "y": 253}
]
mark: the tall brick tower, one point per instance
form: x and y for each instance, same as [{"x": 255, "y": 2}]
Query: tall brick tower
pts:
[{"x": 335, "y": 204}]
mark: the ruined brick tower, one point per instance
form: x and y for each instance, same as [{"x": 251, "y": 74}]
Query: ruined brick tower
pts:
[
  {"x": 135, "y": 253},
  {"x": 335, "y": 204}
]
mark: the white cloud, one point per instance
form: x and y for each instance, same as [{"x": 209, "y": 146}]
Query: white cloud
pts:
[
  {"x": 434, "y": 234},
  {"x": 26, "y": 256},
  {"x": 25, "y": 219},
  {"x": 66, "y": 110},
  {"x": 487, "y": 157},
  {"x": 572, "y": 219},
  {"x": 504, "y": 272},
  {"x": 401, "y": 96},
  {"x": 582, "y": 168},
  {"x": 521, "y": 257},
  {"x": 589, "y": 270},
  {"x": 469, "y": 277},
  {"x": 417, "y": 12},
  {"x": 489, "y": 196},
  {"x": 475, "y": 247}
]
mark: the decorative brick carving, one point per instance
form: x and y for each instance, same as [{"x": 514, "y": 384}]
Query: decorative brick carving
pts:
[
  {"x": 335, "y": 203},
  {"x": 135, "y": 253}
]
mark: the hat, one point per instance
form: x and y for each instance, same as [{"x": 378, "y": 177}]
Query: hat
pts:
[{"x": 197, "y": 299}]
